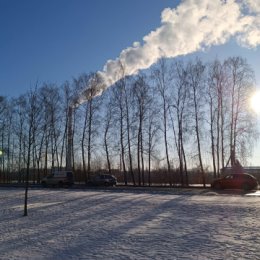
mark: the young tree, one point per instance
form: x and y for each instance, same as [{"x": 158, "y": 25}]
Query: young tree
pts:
[
  {"x": 32, "y": 119},
  {"x": 3, "y": 133},
  {"x": 180, "y": 114},
  {"x": 215, "y": 98},
  {"x": 119, "y": 116},
  {"x": 19, "y": 132},
  {"x": 88, "y": 83},
  {"x": 128, "y": 125},
  {"x": 240, "y": 82},
  {"x": 197, "y": 83},
  {"x": 107, "y": 122},
  {"x": 49, "y": 97},
  {"x": 152, "y": 128},
  {"x": 66, "y": 103},
  {"x": 162, "y": 83},
  {"x": 142, "y": 103}
]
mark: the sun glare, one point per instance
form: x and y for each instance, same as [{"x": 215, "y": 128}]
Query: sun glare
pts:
[{"x": 255, "y": 102}]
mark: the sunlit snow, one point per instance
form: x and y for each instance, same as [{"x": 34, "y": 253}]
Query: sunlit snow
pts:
[{"x": 129, "y": 224}]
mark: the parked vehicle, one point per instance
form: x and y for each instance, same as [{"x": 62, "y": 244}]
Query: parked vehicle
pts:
[
  {"x": 242, "y": 181},
  {"x": 58, "y": 178},
  {"x": 103, "y": 179}
]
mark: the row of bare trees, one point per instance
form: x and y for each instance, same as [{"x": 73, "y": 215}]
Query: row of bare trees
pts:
[{"x": 176, "y": 116}]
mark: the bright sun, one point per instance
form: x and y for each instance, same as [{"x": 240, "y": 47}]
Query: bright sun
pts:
[{"x": 255, "y": 102}]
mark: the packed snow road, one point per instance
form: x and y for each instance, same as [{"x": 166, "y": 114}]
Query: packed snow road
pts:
[{"x": 98, "y": 224}]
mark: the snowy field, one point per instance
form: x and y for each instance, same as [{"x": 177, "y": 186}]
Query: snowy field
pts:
[{"x": 116, "y": 224}]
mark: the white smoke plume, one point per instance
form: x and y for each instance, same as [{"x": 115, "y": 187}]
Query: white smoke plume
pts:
[{"x": 193, "y": 25}]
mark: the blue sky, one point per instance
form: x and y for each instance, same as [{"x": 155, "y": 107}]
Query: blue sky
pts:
[{"x": 56, "y": 40}]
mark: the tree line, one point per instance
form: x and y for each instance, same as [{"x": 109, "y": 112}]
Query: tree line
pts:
[{"x": 174, "y": 117}]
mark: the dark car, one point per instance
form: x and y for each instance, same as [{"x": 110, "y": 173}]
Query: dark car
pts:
[
  {"x": 103, "y": 180},
  {"x": 242, "y": 181}
]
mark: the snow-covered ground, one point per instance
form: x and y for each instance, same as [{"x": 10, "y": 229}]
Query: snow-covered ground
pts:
[{"x": 117, "y": 224}]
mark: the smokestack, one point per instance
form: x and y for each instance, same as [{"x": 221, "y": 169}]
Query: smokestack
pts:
[{"x": 95, "y": 87}]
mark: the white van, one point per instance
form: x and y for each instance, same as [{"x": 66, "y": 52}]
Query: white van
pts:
[{"x": 58, "y": 178}]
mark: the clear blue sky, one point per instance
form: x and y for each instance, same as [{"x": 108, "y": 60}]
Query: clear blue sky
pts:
[{"x": 56, "y": 40}]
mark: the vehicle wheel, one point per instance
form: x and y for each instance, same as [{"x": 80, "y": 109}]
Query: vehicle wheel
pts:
[
  {"x": 60, "y": 184},
  {"x": 245, "y": 187}
]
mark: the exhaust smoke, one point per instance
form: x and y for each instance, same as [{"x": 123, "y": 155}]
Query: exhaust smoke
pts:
[{"x": 193, "y": 25}]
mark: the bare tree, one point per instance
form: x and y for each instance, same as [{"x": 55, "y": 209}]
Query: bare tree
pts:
[
  {"x": 142, "y": 101},
  {"x": 215, "y": 98},
  {"x": 86, "y": 85},
  {"x": 49, "y": 97},
  {"x": 152, "y": 128},
  {"x": 9, "y": 115},
  {"x": 197, "y": 83},
  {"x": 119, "y": 117},
  {"x": 3, "y": 134},
  {"x": 107, "y": 128},
  {"x": 80, "y": 84},
  {"x": 19, "y": 132},
  {"x": 32, "y": 117},
  {"x": 240, "y": 82},
  {"x": 161, "y": 78},
  {"x": 180, "y": 94},
  {"x": 128, "y": 127}
]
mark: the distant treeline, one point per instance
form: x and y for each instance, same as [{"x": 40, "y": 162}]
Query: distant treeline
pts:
[{"x": 171, "y": 118}]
